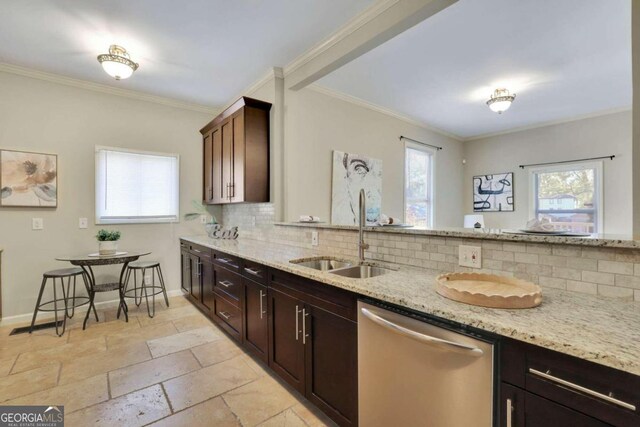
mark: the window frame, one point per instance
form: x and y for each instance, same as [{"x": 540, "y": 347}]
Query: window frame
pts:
[
  {"x": 432, "y": 177},
  {"x": 99, "y": 192},
  {"x": 597, "y": 166}
]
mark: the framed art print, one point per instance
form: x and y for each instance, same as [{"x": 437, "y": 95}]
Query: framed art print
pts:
[{"x": 28, "y": 179}]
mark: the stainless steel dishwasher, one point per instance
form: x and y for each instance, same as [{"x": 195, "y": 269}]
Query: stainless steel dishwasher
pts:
[{"x": 414, "y": 371}]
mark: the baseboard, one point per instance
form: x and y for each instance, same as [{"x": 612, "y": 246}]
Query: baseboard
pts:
[{"x": 20, "y": 318}]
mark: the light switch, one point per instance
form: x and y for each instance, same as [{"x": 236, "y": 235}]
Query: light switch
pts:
[
  {"x": 203, "y": 219},
  {"x": 83, "y": 223},
  {"x": 37, "y": 224}
]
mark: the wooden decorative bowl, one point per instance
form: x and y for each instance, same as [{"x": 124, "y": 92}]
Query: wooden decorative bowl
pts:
[{"x": 489, "y": 290}]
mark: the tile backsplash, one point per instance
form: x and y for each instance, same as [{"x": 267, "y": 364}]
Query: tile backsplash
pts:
[{"x": 610, "y": 272}]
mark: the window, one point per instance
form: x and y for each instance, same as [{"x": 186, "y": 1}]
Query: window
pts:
[
  {"x": 418, "y": 190},
  {"x": 136, "y": 187},
  {"x": 570, "y": 196}
]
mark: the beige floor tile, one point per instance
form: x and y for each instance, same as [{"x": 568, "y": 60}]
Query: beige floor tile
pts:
[
  {"x": 134, "y": 409},
  {"x": 216, "y": 351},
  {"x": 312, "y": 416},
  {"x": 213, "y": 412},
  {"x": 58, "y": 354},
  {"x": 102, "y": 329},
  {"x": 182, "y": 341},
  {"x": 259, "y": 400},
  {"x": 154, "y": 371},
  {"x": 209, "y": 382},
  {"x": 28, "y": 382},
  {"x": 258, "y": 366},
  {"x": 141, "y": 334},
  {"x": 6, "y": 364},
  {"x": 105, "y": 361},
  {"x": 16, "y": 344},
  {"x": 192, "y": 322},
  {"x": 73, "y": 396},
  {"x": 168, "y": 315},
  {"x": 287, "y": 418}
]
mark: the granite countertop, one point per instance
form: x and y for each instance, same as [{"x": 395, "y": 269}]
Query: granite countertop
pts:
[
  {"x": 602, "y": 330},
  {"x": 597, "y": 240}
]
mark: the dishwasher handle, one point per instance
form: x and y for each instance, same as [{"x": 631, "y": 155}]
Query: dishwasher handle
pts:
[{"x": 425, "y": 339}]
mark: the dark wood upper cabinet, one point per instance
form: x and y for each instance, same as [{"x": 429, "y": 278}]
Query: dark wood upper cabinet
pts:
[{"x": 236, "y": 154}]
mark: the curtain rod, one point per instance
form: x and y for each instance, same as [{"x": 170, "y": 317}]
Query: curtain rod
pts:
[
  {"x": 568, "y": 161},
  {"x": 420, "y": 142}
]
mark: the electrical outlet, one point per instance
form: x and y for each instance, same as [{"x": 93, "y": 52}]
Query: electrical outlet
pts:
[
  {"x": 203, "y": 219},
  {"x": 314, "y": 238},
  {"x": 470, "y": 256},
  {"x": 37, "y": 223},
  {"x": 83, "y": 223}
]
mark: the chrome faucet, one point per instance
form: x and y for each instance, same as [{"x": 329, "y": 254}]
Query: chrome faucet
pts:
[{"x": 362, "y": 246}]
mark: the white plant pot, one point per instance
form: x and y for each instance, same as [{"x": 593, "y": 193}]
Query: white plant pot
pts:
[{"x": 107, "y": 248}]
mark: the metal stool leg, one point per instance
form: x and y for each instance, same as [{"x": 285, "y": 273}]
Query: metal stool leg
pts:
[
  {"x": 73, "y": 297},
  {"x": 164, "y": 289},
  {"x": 86, "y": 285},
  {"x": 146, "y": 295},
  {"x": 135, "y": 288},
  {"x": 35, "y": 311},
  {"x": 55, "y": 307}
]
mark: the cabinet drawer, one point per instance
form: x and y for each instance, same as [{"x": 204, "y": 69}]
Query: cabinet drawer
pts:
[
  {"x": 227, "y": 261},
  {"x": 230, "y": 315},
  {"x": 228, "y": 285},
  {"x": 254, "y": 271},
  {"x": 201, "y": 251},
  {"x": 184, "y": 245}
]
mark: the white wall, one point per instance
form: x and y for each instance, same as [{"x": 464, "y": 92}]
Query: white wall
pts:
[
  {"x": 591, "y": 137},
  {"x": 41, "y": 116},
  {"x": 317, "y": 123}
]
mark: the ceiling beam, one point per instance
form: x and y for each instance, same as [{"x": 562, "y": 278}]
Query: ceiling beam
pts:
[{"x": 375, "y": 26}]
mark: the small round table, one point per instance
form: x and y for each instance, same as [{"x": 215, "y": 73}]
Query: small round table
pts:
[{"x": 86, "y": 262}]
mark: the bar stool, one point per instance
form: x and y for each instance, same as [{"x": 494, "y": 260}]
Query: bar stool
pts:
[
  {"x": 145, "y": 288},
  {"x": 69, "y": 308}
]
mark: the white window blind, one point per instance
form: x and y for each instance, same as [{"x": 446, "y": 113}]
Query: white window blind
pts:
[{"x": 135, "y": 187}]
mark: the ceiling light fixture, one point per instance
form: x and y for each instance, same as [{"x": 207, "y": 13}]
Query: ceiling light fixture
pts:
[
  {"x": 117, "y": 63},
  {"x": 500, "y": 100}
]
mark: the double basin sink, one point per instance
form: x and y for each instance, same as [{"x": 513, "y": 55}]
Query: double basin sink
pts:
[{"x": 341, "y": 268}]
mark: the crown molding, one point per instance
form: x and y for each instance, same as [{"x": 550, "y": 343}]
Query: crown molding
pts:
[
  {"x": 102, "y": 88},
  {"x": 274, "y": 73},
  {"x": 365, "y": 104},
  {"x": 549, "y": 123},
  {"x": 348, "y": 28}
]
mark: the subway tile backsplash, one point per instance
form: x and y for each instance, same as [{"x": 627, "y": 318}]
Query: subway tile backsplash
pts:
[{"x": 610, "y": 272}]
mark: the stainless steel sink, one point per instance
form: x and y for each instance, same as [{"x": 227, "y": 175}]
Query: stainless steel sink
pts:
[
  {"x": 322, "y": 264},
  {"x": 361, "y": 271}
]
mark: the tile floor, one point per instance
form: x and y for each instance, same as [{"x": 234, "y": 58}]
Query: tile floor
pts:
[{"x": 177, "y": 369}]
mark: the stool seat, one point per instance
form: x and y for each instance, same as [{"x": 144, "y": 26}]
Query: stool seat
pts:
[
  {"x": 63, "y": 272},
  {"x": 143, "y": 264}
]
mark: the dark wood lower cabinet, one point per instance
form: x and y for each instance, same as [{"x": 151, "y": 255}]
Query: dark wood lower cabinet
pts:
[
  {"x": 256, "y": 331},
  {"x": 207, "y": 280},
  {"x": 331, "y": 360},
  {"x": 185, "y": 264},
  {"x": 286, "y": 352}
]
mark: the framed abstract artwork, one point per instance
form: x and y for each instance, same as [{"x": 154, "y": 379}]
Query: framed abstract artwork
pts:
[
  {"x": 493, "y": 193},
  {"x": 28, "y": 179}
]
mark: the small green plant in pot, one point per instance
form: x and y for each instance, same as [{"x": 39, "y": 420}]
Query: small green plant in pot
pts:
[{"x": 108, "y": 242}]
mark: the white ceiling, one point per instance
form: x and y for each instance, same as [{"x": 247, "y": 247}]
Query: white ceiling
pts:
[
  {"x": 200, "y": 51},
  {"x": 563, "y": 59}
]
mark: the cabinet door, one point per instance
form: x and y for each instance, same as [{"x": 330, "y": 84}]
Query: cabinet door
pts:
[
  {"x": 208, "y": 281},
  {"x": 286, "y": 352},
  {"x": 540, "y": 412},
  {"x": 207, "y": 168},
  {"x": 196, "y": 281},
  {"x": 331, "y": 360},
  {"x": 511, "y": 406},
  {"x": 185, "y": 261},
  {"x": 217, "y": 186},
  {"x": 237, "y": 178},
  {"x": 256, "y": 319},
  {"x": 226, "y": 129}
]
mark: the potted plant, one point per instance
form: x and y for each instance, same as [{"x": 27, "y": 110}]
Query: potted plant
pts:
[
  {"x": 211, "y": 225},
  {"x": 107, "y": 242}
]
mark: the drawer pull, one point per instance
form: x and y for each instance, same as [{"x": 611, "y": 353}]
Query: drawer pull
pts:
[
  {"x": 225, "y": 260},
  {"x": 226, "y": 316},
  {"x": 197, "y": 250},
  {"x": 547, "y": 375},
  {"x": 252, "y": 271},
  {"x": 225, "y": 283}
]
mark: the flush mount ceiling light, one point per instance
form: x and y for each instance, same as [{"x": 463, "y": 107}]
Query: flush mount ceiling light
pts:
[
  {"x": 500, "y": 100},
  {"x": 117, "y": 63}
]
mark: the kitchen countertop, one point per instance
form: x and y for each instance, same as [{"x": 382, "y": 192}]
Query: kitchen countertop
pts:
[
  {"x": 602, "y": 330},
  {"x": 594, "y": 240}
]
